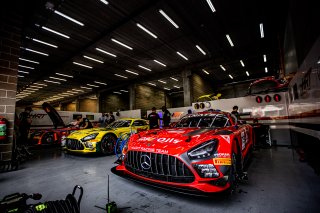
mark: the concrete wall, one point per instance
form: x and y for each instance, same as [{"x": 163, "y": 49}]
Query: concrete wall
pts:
[
  {"x": 200, "y": 86},
  {"x": 68, "y": 107},
  {"x": 113, "y": 102},
  {"x": 233, "y": 91},
  {"x": 88, "y": 105},
  {"x": 10, "y": 40}
]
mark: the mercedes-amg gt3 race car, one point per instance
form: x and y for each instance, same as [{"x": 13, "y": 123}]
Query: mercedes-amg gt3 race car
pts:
[
  {"x": 203, "y": 153},
  {"x": 103, "y": 140}
]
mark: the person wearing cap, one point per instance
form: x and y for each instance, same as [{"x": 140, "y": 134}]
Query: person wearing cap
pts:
[
  {"x": 24, "y": 125},
  {"x": 154, "y": 119}
]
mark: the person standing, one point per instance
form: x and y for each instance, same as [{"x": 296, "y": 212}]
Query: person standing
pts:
[
  {"x": 112, "y": 118},
  {"x": 85, "y": 123},
  {"x": 235, "y": 111},
  {"x": 102, "y": 120},
  {"x": 166, "y": 117},
  {"x": 24, "y": 125},
  {"x": 154, "y": 119}
]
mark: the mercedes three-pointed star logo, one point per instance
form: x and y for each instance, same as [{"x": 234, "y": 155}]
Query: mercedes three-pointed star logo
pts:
[{"x": 145, "y": 162}]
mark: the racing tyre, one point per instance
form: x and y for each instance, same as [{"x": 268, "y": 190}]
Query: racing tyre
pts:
[
  {"x": 107, "y": 144},
  {"x": 233, "y": 174},
  {"x": 48, "y": 139}
]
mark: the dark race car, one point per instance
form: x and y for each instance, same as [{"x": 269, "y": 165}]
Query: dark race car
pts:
[
  {"x": 203, "y": 153},
  {"x": 267, "y": 84}
]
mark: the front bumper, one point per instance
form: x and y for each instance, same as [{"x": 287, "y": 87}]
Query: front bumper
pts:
[{"x": 77, "y": 146}]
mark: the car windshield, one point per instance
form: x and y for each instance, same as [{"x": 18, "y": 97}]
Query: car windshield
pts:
[
  {"x": 120, "y": 123},
  {"x": 218, "y": 120}
]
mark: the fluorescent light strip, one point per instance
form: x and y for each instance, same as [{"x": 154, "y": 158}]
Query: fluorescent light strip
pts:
[
  {"x": 54, "y": 82},
  {"x": 174, "y": 79},
  {"x": 118, "y": 93},
  {"x": 264, "y": 58},
  {"x": 162, "y": 64},
  {"x": 231, "y": 76},
  {"x": 68, "y": 76},
  {"x": 241, "y": 62},
  {"x": 83, "y": 65},
  {"x": 40, "y": 84},
  {"x": 201, "y": 50},
  {"x": 78, "y": 90},
  {"x": 35, "y": 51},
  {"x": 144, "y": 68},
  {"x": 211, "y": 6},
  {"x": 33, "y": 86},
  {"x": 122, "y": 44},
  {"x": 59, "y": 79},
  {"x": 93, "y": 59},
  {"x": 98, "y": 82},
  {"x": 85, "y": 87},
  {"x": 55, "y": 32},
  {"x": 176, "y": 87},
  {"x": 104, "y": 1},
  {"x": 68, "y": 17},
  {"x": 32, "y": 68},
  {"x": 162, "y": 81},
  {"x": 23, "y": 59},
  {"x": 222, "y": 67},
  {"x": 168, "y": 18},
  {"x": 45, "y": 43},
  {"x": 261, "y": 31},
  {"x": 205, "y": 71},
  {"x": 92, "y": 85},
  {"x": 34, "y": 89},
  {"x": 230, "y": 41},
  {"x": 146, "y": 30},
  {"x": 266, "y": 69},
  {"x": 247, "y": 73},
  {"x": 23, "y": 72},
  {"x": 166, "y": 88},
  {"x": 181, "y": 55},
  {"x": 124, "y": 90},
  {"x": 152, "y": 84},
  {"x": 106, "y": 52},
  {"x": 73, "y": 92},
  {"x": 129, "y": 71}
]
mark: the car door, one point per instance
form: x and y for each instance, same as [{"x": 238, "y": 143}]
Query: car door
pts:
[{"x": 139, "y": 125}]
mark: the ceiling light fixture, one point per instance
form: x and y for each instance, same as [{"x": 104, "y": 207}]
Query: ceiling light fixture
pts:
[
  {"x": 68, "y": 76},
  {"x": 168, "y": 18},
  {"x": 264, "y": 58},
  {"x": 261, "y": 31},
  {"x": 230, "y": 41},
  {"x": 266, "y": 69},
  {"x": 59, "y": 79},
  {"x": 106, "y": 52},
  {"x": 83, "y": 65},
  {"x": 118, "y": 93},
  {"x": 55, "y": 32},
  {"x": 92, "y": 85},
  {"x": 124, "y": 90},
  {"x": 166, "y": 88},
  {"x": 85, "y": 87},
  {"x": 33, "y": 89},
  {"x": 146, "y": 30},
  {"x": 174, "y": 79},
  {"x": 231, "y": 76},
  {"x": 144, "y": 68},
  {"x": 54, "y": 82},
  {"x": 122, "y": 44},
  {"x": 33, "y": 86},
  {"x": 201, "y": 50},
  {"x": 93, "y": 59},
  {"x": 73, "y": 92},
  {"x": 205, "y": 71},
  {"x": 176, "y": 87},
  {"x": 222, "y": 67},
  {"x": 35, "y": 51},
  {"x": 247, "y": 73},
  {"x": 32, "y": 68},
  {"x": 152, "y": 84},
  {"x": 40, "y": 84},
  {"x": 45, "y": 43},
  {"x": 211, "y": 6},
  {"x": 121, "y": 76},
  {"x": 158, "y": 62},
  {"x": 78, "y": 90},
  {"x": 68, "y": 17},
  {"x": 98, "y": 82},
  {"x": 129, "y": 71},
  {"x": 104, "y": 1},
  {"x": 23, "y": 59},
  {"x": 162, "y": 81},
  {"x": 181, "y": 55},
  {"x": 241, "y": 62},
  {"x": 23, "y": 72}
]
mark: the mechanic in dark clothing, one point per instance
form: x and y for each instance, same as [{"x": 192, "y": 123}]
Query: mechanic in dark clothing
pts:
[
  {"x": 85, "y": 123},
  {"x": 166, "y": 117},
  {"x": 154, "y": 119},
  {"x": 24, "y": 125},
  {"x": 112, "y": 118},
  {"x": 235, "y": 111}
]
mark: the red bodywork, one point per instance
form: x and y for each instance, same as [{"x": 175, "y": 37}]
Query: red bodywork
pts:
[
  {"x": 267, "y": 84},
  {"x": 170, "y": 154}
]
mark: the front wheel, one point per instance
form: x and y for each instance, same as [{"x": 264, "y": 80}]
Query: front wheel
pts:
[
  {"x": 107, "y": 144},
  {"x": 233, "y": 175}
]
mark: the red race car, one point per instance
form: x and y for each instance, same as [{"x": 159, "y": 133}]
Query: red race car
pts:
[
  {"x": 267, "y": 84},
  {"x": 203, "y": 153}
]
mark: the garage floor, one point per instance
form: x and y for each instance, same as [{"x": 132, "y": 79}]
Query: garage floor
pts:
[{"x": 278, "y": 182}]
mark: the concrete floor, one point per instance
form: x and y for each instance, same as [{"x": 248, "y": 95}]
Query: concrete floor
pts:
[{"x": 278, "y": 182}]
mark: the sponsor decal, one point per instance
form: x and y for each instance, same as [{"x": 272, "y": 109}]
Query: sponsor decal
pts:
[
  {"x": 168, "y": 140},
  {"x": 148, "y": 149},
  {"x": 222, "y": 155},
  {"x": 146, "y": 139},
  {"x": 226, "y": 137},
  {"x": 222, "y": 161},
  {"x": 38, "y": 116}
]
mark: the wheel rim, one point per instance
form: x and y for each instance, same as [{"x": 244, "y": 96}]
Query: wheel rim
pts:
[{"x": 108, "y": 143}]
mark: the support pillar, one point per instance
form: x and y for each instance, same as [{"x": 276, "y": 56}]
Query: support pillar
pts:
[
  {"x": 187, "y": 87},
  {"x": 132, "y": 97}
]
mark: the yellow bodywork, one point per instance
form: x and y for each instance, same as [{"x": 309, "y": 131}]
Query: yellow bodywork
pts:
[
  {"x": 209, "y": 97},
  {"x": 92, "y": 145}
]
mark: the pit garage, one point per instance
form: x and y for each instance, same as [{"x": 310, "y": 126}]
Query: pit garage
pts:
[{"x": 159, "y": 106}]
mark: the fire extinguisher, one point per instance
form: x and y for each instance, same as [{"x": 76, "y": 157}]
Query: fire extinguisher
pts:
[{"x": 3, "y": 129}]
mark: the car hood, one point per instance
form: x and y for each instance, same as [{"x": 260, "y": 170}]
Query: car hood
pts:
[
  {"x": 170, "y": 141},
  {"x": 53, "y": 114},
  {"x": 84, "y": 132}
]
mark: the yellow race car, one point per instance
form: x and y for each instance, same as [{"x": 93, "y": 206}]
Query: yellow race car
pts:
[{"x": 103, "y": 140}]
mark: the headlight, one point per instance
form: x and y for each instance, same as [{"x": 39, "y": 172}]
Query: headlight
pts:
[
  {"x": 88, "y": 144},
  {"x": 89, "y": 137},
  {"x": 204, "y": 150}
]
